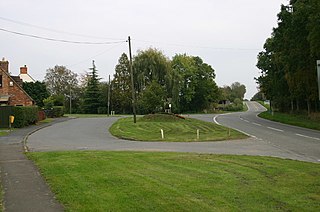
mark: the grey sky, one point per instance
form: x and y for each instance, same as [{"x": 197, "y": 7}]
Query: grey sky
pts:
[{"x": 226, "y": 34}]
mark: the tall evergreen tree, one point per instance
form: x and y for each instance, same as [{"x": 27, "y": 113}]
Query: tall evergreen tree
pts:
[
  {"x": 121, "y": 87},
  {"x": 91, "y": 101}
]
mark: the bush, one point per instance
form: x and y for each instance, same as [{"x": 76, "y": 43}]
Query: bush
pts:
[
  {"x": 24, "y": 116},
  {"x": 55, "y": 111},
  {"x": 234, "y": 107},
  {"x": 102, "y": 110}
]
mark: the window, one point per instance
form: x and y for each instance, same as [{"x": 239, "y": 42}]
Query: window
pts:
[{"x": 0, "y": 81}]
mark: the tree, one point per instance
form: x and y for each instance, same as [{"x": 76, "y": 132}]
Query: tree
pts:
[
  {"x": 91, "y": 100},
  {"x": 59, "y": 80},
  {"x": 150, "y": 65},
  {"x": 37, "y": 91},
  {"x": 288, "y": 73},
  {"x": 121, "y": 87},
  {"x": 152, "y": 99},
  {"x": 192, "y": 83},
  {"x": 238, "y": 90}
]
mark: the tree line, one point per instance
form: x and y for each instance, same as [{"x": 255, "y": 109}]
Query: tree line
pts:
[
  {"x": 288, "y": 62},
  {"x": 183, "y": 84}
]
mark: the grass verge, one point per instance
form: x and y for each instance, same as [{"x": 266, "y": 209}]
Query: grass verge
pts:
[
  {"x": 149, "y": 181},
  {"x": 175, "y": 129},
  {"x": 86, "y": 115},
  {"x": 292, "y": 119},
  {"x": 47, "y": 120},
  {"x": 4, "y": 132}
]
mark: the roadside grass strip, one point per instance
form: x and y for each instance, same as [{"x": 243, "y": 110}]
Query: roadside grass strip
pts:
[
  {"x": 292, "y": 119},
  {"x": 153, "y": 181},
  {"x": 179, "y": 130}
]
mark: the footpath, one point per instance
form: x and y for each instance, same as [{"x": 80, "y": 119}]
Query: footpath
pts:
[{"x": 23, "y": 186}]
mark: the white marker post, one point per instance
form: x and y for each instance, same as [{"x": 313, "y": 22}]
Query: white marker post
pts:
[
  {"x": 162, "y": 134},
  {"x": 198, "y": 134}
]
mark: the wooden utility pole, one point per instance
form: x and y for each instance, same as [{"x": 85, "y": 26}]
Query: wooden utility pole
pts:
[
  {"x": 132, "y": 84},
  {"x": 109, "y": 96}
]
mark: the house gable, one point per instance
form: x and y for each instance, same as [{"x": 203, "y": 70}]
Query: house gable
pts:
[{"x": 11, "y": 90}]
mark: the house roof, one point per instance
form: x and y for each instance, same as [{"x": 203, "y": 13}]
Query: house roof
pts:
[
  {"x": 6, "y": 73},
  {"x": 26, "y": 78}
]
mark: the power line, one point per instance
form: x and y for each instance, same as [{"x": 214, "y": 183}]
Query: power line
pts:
[
  {"x": 201, "y": 47},
  {"x": 94, "y": 56},
  {"x": 54, "y": 30},
  {"x": 60, "y": 40}
]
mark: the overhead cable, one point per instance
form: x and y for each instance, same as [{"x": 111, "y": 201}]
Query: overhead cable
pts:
[
  {"x": 60, "y": 40},
  {"x": 54, "y": 30}
]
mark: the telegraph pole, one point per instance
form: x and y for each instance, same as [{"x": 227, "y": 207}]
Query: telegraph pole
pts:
[{"x": 132, "y": 83}]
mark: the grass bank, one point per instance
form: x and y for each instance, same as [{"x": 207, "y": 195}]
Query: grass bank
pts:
[
  {"x": 148, "y": 128},
  {"x": 292, "y": 119},
  {"x": 149, "y": 181}
]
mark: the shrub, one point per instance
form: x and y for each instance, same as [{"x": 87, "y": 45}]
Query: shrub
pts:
[
  {"x": 24, "y": 116},
  {"x": 234, "y": 107},
  {"x": 55, "y": 111},
  {"x": 102, "y": 110}
]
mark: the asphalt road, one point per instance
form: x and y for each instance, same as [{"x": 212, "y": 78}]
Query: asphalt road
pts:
[
  {"x": 266, "y": 138},
  {"x": 303, "y": 142}
]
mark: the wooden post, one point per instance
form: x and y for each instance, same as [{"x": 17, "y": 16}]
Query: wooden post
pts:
[
  {"x": 198, "y": 134},
  {"x": 162, "y": 134}
]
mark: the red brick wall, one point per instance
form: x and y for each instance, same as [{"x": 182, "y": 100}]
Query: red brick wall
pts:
[{"x": 17, "y": 96}]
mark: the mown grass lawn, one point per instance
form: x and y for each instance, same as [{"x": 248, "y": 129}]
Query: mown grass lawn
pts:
[
  {"x": 292, "y": 119},
  {"x": 149, "y": 181},
  {"x": 148, "y": 128}
]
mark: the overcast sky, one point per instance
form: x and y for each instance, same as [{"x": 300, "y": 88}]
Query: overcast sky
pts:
[{"x": 226, "y": 34}]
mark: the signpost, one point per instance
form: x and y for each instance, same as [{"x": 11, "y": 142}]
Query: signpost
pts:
[{"x": 318, "y": 67}]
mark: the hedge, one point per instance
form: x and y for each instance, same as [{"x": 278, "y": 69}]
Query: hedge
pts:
[
  {"x": 55, "y": 111},
  {"x": 25, "y": 116}
]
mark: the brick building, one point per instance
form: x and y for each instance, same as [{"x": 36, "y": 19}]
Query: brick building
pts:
[{"x": 11, "y": 91}]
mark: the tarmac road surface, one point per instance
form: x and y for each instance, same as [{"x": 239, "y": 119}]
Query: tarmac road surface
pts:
[
  {"x": 267, "y": 138},
  {"x": 300, "y": 141}
]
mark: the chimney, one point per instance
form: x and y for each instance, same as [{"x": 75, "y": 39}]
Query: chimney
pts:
[
  {"x": 4, "y": 65},
  {"x": 24, "y": 70}
]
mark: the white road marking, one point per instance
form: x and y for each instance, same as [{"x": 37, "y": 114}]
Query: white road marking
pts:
[
  {"x": 271, "y": 128},
  {"x": 252, "y": 136},
  {"x": 215, "y": 120},
  {"x": 305, "y": 136},
  {"x": 256, "y": 124},
  {"x": 246, "y": 120}
]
